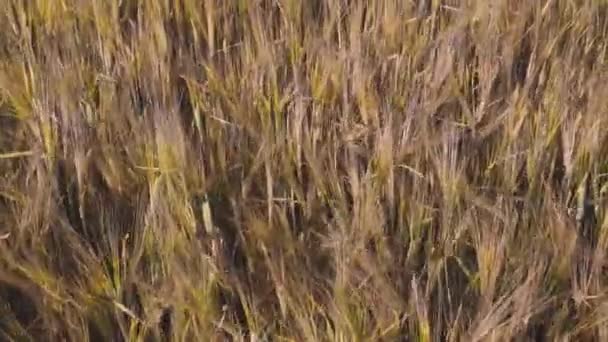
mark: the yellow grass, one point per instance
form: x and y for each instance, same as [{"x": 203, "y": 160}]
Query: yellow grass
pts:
[{"x": 322, "y": 170}]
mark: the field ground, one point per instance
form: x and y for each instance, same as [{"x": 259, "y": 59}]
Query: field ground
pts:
[{"x": 320, "y": 170}]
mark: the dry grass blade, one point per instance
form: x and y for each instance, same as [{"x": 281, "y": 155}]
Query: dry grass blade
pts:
[{"x": 12, "y": 155}]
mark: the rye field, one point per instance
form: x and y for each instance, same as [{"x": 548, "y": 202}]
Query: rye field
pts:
[{"x": 319, "y": 170}]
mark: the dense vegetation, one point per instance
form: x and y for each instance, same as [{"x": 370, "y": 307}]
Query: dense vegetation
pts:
[{"x": 320, "y": 170}]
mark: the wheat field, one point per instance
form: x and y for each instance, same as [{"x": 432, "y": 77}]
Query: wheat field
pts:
[{"x": 319, "y": 170}]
